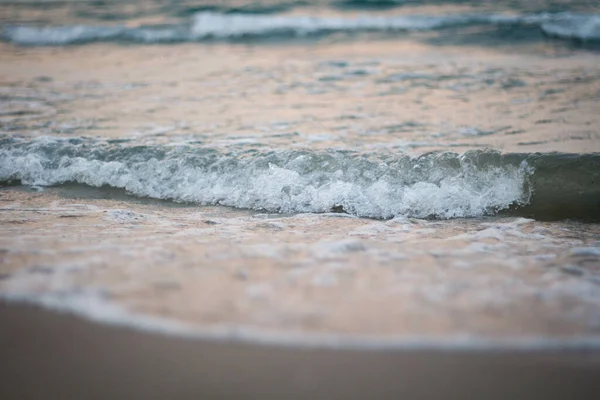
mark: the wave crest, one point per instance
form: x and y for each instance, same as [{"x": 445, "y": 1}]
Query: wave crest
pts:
[
  {"x": 441, "y": 185},
  {"x": 221, "y": 26}
]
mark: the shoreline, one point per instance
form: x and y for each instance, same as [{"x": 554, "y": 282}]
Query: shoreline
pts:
[
  {"x": 47, "y": 352},
  {"x": 221, "y": 269}
]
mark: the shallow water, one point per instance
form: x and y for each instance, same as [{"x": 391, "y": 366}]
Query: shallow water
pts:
[
  {"x": 325, "y": 279},
  {"x": 330, "y": 173}
]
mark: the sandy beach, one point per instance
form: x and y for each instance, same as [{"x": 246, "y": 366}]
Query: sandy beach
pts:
[{"x": 49, "y": 355}]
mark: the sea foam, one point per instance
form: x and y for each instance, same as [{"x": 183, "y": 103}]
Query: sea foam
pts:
[
  {"x": 441, "y": 185},
  {"x": 574, "y": 26},
  {"x": 220, "y": 26}
]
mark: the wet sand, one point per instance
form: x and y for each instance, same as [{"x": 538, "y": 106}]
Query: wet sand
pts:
[{"x": 46, "y": 355}]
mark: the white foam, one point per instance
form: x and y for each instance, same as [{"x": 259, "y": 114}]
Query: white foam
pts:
[
  {"x": 92, "y": 306},
  {"x": 301, "y": 183},
  {"x": 574, "y": 26},
  {"x": 213, "y": 25},
  {"x": 210, "y": 24},
  {"x": 57, "y": 35}
]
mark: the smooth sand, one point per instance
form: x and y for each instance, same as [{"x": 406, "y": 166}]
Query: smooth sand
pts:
[{"x": 46, "y": 355}]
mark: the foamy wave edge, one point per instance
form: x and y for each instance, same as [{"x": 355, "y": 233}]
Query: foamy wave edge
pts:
[
  {"x": 98, "y": 310},
  {"x": 574, "y": 26},
  {"x": 439, "y": 185},
  {"x": 213, "y": 25}
]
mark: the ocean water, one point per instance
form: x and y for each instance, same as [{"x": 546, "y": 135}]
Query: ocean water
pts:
[
  {"x": 333, "y": 173},
  {"x": 224, "y": 23}
]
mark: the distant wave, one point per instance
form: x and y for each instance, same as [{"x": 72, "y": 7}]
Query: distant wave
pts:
[
  {"x": 207, "y": 25},
  {"x": 369, "y": 4},
  {"x": 574, "y": 26},
  {"x": 213, "y": 25}
]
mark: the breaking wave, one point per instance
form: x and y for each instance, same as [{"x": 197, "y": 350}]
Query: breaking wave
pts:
[
  {"x": 545, "y": 186},
  {"x": 574, "y": 26},
  {"x": 226, "y": 26},
  {"x": 438, "y": 185}
]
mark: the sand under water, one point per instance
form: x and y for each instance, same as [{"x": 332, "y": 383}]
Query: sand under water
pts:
[{"x": 417, "y": 177}]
